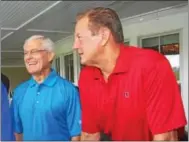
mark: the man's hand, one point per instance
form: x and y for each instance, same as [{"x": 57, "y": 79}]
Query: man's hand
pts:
[
  {"x": 18, "y": 137},
  {"x": 168, "y": 136},
  {"x": 76, "y": 138},
  {"x": 90, "y": 137}
]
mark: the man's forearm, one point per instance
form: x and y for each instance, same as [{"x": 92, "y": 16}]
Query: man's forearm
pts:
[
  {"x": 76, "y": 138},
  {"x": 90, "y": 137},
  {"x": 19, "y": 137},
  {"x": 168, "y": 136}
]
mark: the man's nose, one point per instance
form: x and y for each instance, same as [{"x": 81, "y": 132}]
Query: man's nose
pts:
[
  {"x": 27, "y": 56},
  {"x": 76, "y": 45}
]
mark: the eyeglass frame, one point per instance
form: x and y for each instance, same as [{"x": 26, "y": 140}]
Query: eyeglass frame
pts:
[{"x": 34, "y": 52}]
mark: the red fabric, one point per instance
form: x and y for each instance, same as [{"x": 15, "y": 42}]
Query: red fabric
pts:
[{"x": 140, "y": 99}]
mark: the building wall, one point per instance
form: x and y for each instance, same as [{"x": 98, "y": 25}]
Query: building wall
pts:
[
  {"x": 16, "y": 75},
  {"x": 134, "y": 28}
]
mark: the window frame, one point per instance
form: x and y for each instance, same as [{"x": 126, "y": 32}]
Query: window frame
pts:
[
  {"x": 177, "y": 31},
  {"x": 58, "y": 58},
  {"x": 63, "y": 66},
  {"x": 76, "y": 65},
  {"x": 127, "y": 40}
]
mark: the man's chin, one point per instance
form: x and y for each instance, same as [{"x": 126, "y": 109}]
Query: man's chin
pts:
[
  {"x": 32, "y": 72},
  {"x": 82, "y": 62}
]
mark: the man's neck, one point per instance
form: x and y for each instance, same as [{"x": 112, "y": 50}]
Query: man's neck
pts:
[
  {"x": 40, "y": 77},
  {"x": 108, "y": 61}
]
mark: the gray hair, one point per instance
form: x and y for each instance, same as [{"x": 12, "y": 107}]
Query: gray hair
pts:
[{"x": 47, "y": 43}]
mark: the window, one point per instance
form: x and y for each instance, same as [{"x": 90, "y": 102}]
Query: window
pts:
[
  {"x": 151, "y": 43},
  {"x": 167, "y": 45},
  {"x": 69, "y": 68},
  {"x": 57, "y": 65},
  {"x": 127, "y": 43}
]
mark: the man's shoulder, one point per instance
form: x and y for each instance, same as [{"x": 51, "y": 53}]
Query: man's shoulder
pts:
[
  {"x": 20, "y": 89},
  {"x": 143, "y": 57},
  {"x": 142, "y": 52},
  {"x": 87, "y": 70},
  {"x": 22, "y": 85},
  {"x": 65, "y": 84},
  {"x": 67, "y": 88},
  {"x": 86, "y": 76}
]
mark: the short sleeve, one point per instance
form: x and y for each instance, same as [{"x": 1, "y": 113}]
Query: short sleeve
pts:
[
  {"x": 73, "y": 112},
  {"x": 16, "y": 120},
  {"x": 89, "y": 118},
  {"x": 165, "y": 111}
]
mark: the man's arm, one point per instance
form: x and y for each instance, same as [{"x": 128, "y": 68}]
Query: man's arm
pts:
[
  {"x": 164, "y": 107},
  {"x": 90, "y": 130},
  {"x": 76, "y": 138},
  {"x": 73, "y": 114},
  {"x": 16, "y": 121},
  {"x": 18, "y": 137},
  {"x": 90, "y": 137},
  {"x": 168, "y": 136}
]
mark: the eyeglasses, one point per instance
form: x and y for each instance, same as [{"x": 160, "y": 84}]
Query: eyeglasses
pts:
[{"x": 34, "y": 52}]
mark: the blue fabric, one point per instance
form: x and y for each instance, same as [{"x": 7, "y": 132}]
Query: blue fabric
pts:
[
  {"x": 6, "y": 124},
  {"x": 47, "y": 111}
]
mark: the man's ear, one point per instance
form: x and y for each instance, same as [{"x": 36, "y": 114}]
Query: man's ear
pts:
[
  {"x": 51, "y": 56},
  {"x": 105, "y": 32}
]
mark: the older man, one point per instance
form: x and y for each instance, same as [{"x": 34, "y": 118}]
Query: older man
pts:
[
  {"x": 128, "y": 93},
  {"x": 46, "y": 107}
]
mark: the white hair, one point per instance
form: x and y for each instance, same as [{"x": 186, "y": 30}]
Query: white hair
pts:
[{"x": 47, "y": 43}]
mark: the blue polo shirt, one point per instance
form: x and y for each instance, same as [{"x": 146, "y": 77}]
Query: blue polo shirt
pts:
[
  {"x": 6, "y": 124},
  {"x": 47, "y": 111}
]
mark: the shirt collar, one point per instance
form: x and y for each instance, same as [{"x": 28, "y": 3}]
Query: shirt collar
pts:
[
  {"x": 49, "y": 81},
  {"x": 122, "y": 63}
]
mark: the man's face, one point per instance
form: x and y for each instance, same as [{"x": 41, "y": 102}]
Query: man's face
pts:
[
  {"x": 86, "y": 44},
  {"x": 36, "y": 58}
]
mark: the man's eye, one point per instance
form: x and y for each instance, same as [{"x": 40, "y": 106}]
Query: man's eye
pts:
[{"x": 34, "y": 51}]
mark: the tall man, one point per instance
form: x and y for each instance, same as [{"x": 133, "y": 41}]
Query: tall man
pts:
[
  {"x": 46, "y": 107},
  {"x": 128, "y": 93}
]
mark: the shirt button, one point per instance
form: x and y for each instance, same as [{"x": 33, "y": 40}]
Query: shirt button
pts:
[
  {"x": 37, "y": 102},
  {"x": 38, "y": 93}
]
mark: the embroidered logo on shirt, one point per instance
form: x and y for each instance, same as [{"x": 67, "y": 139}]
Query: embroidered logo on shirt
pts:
[{"x": 126, "y": 94}]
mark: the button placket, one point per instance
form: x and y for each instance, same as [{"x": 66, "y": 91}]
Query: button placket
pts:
[
  {"x": 37, "y": 96},
  {"x": 35, "y": 99}
]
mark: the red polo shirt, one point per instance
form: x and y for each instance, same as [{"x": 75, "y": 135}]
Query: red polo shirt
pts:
[{"x": 140, "y": 99}]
